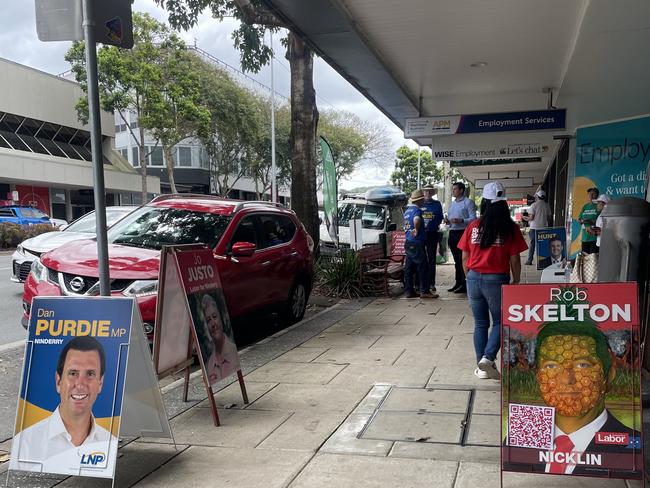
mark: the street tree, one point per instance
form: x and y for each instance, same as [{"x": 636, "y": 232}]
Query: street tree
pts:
[
  {"x": 126, "y": 81},
  {"x": 405, "y": 174},
  {"x": 229, "y": 134},
  {"x": 256, "y": 18},
  {"x": 174, "y": 112}
]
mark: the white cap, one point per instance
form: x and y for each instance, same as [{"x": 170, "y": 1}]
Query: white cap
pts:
[
  {"x": 603, "y": 198},
  {"x": 540, "y": 194},
  {"x": 494, "y": 192}
]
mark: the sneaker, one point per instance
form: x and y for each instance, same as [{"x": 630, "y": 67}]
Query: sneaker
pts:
[
  {"x": 482, "y": 375},
  {"x": 453, "y": 288},
  {"x": 411, "y": 294},
  {"x": 433, "y": 289},
  {"x": 461, "y": 289},
  {"x": 426, "y": 294},
  {"x": 488, "y": 367}
]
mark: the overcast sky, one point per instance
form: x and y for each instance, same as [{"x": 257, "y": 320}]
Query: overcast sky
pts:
[{"x": 19, "y": 43}]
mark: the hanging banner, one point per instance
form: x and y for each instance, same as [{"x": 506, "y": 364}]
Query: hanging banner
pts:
[
  {"x": 70, "y": 404},
  {"x": 495, "y": 146},
  {"x": 480, "y": 123},
  {"x": 571, "y": 395},
  {"x": 612, "y": 157},
  {"x": 330, "y": 190},
  {"x": 551, "y": 247}
]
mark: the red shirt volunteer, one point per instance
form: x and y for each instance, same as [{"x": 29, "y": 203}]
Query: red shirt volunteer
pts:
[{"x": 494, "y": 260}]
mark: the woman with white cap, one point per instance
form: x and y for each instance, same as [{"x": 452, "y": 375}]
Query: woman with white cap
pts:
[{"x": 491, "y": 246}]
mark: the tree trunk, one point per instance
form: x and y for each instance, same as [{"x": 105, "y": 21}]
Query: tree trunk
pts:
[
  {"x": 304, "y": 121},
  {"x": 169, "y": 161},
  {"x": 143, "y": 164}
]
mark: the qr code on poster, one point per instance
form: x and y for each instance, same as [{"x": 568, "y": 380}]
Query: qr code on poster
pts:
[{"x": 531, "y": 426}]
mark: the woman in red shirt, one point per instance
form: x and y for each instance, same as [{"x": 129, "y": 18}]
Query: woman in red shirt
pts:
[{"x": 491, "y": 247}]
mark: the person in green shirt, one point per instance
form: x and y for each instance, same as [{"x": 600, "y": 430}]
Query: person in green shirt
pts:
[{"x": 587, "y": 219}]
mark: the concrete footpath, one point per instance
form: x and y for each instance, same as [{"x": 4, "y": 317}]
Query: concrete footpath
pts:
[{"x": 369, "y": 393}]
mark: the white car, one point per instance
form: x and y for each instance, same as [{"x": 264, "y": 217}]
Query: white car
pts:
[{"x": 82, "y": 228}]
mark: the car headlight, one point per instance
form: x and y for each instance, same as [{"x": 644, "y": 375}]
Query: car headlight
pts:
[
  {"x": 39, "y": 271},
  {"x": 20, "y": 249},
  {"x": 141, "y": 288}
]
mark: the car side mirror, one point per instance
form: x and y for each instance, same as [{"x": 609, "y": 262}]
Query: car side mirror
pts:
[
  {"x": 63, "y": 227},
  {"x": 392, "y": 227},
  {"x": 243, "y": 249}
]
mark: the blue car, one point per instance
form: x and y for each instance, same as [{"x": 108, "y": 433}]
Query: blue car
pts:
[{"x": 15, "y": 214}]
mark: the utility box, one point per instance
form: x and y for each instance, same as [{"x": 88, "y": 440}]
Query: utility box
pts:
[{"x": 625, "y": 252}]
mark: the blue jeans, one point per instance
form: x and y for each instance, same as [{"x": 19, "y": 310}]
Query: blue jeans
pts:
[
  {"x": 532, "y": 234},
  {"x": 484, "y": 293},
  {"x": 416, "y": 262}
]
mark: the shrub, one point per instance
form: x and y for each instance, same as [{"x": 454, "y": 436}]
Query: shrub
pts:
[
  {"x": 13, "y": 234},
  {"x": 339, "y": 275}
]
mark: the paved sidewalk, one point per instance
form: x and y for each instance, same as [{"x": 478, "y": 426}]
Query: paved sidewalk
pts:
[{"x": 370, "y": 393}]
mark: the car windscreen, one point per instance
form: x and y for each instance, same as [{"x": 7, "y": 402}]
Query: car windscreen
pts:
[
  {"x": 86, "y": 224},
  {"x": 33, "y": 213},
  {"x": 372, "y": 216},
  {"x": 155, "y": 227}
]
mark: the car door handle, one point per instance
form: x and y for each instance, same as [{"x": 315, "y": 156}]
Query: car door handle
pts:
[
  {"x": 266, "y": 263},
  {"x": 294, "y": 253}
]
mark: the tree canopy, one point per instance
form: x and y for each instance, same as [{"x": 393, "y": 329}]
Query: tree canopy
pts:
[{"x": 405, "y": 175}]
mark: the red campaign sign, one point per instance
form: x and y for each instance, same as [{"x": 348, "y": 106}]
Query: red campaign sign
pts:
[
  {"x": 397, "y": 242},
  {"x": 571, "y": 395},
  {"x": 207, "y": 305}
]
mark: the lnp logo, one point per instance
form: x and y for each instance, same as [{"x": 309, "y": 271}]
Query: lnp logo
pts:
[
  {"x": 616, "y": 438},
  {"x": 93, "y": 458}
]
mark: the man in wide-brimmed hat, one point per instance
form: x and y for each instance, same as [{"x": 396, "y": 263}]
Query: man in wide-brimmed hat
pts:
[
  {"x": 416, "y": 257},
  {"x": 432, "y": 215}
]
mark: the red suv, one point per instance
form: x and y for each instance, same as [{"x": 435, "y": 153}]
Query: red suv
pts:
[{"x": 264, "y": 256}]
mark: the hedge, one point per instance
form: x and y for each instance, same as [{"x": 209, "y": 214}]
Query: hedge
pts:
[{"x": 13, "y": 234}]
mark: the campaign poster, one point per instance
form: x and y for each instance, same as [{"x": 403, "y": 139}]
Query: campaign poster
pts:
[
  {"x": 200, "y": 277},
  {"x": 612, "y": 157},
  {"x": 571, "y": 395},
  {"x": 70, "y": 403},
  {"x": 551, "y": 247}
]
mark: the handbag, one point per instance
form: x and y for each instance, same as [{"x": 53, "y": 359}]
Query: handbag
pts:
[{"x": 585, "y": 269}]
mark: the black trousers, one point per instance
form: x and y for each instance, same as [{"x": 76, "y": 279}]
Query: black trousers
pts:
[
  {"x": 431, "y": 246},
  {"x": 454, "y": 239},
  {"x": 589, "y": 247}
]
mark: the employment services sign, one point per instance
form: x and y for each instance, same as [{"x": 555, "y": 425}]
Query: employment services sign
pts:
[
  {"x": 571, "y": 396},
  {"x": 495, "y": 146},
  {"x": 72, "y": 387},
  {"x": 481, "y": 123}
]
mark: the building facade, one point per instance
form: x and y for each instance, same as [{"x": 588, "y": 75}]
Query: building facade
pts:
[{"x": 45, "y": 152}]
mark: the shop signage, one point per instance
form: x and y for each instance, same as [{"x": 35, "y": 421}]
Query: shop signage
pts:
[
  {"x": 612, "y": 157},
  {"x": 534, "y": 120},
  {"x": 571, "y": 397},
  {"x": 84, "y": 364},
  {"x": 488, "y": 162},
  {"x": 495, "y": 146}
]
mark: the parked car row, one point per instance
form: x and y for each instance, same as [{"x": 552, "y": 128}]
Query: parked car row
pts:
[{"x": 264, "y": 255}]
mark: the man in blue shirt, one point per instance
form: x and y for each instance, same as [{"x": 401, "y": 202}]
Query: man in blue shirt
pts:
[
  {"x": 461, "y": 212},
  {"x": 432, "y": 215},
  {"x": 416, "y": 257}
]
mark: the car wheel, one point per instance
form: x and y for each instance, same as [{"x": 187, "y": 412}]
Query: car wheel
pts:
[{"x": 296, "y": 304}]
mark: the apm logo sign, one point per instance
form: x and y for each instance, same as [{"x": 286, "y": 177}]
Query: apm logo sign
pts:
[{"x": 93, "y": 458}]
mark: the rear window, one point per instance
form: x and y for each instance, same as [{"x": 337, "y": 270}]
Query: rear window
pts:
[
  {"x": 7, "y": 212},
  {"x": 155, "y": 227},
  {"x": 33, "y": 213}
]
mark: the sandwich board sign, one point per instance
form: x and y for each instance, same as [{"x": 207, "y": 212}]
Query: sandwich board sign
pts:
[
  {"x": 571, "y": 396},
  {"x": 192, "y": 315},
  {"x": 87, "y": 379}
]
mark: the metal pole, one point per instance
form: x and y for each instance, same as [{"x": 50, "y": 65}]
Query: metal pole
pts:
[
  {"x": 274, "y": 182},
  {"x": 96, "y": 146},
  {"x": 419, "y": 166}
]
